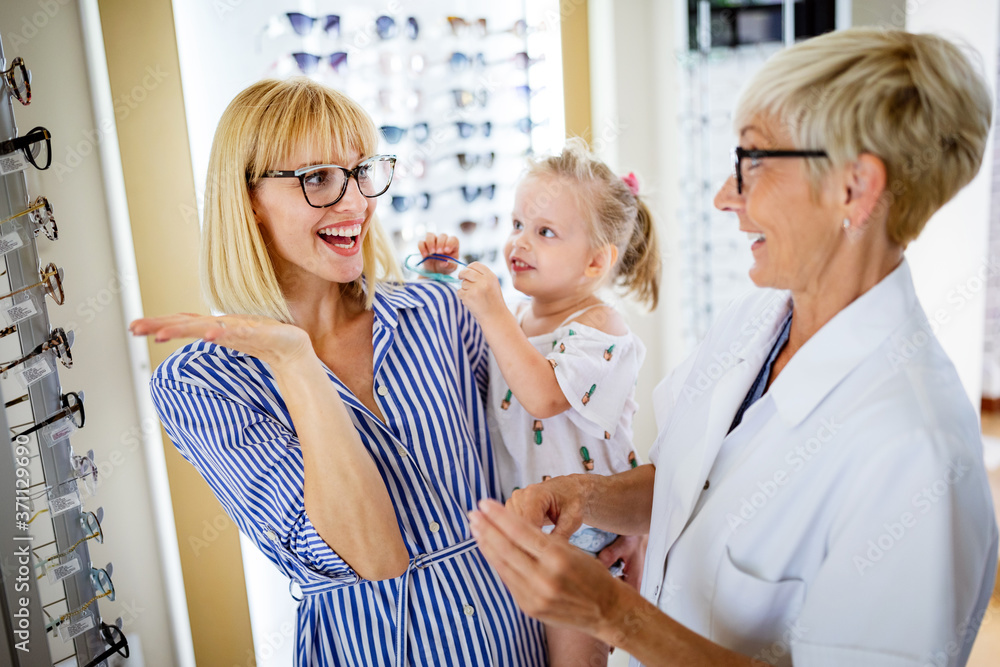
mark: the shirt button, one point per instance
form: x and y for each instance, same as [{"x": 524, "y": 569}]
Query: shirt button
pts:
[
  {"x": 435, "y": 526},
  {"x": 469, "y": 610},
  {"x": 401, "y": 450},
  {"x": 383, "y": 390},
  {"x": 705, "y": 488},
  {"x": 271, "y": 535}
]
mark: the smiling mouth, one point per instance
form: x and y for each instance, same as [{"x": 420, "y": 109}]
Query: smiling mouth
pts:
[
  {"x": 518, "y": 265},
  {"x": 341, "y": 237}
]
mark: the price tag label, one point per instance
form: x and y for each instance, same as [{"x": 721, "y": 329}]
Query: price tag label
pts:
[
  {"x": 12, "y": 162},
  {"x": 76, "y": 628},
  {"x": 11, "y": 241},
  {"x": 61, "y": 430},
  {"x": 19, "y": 311},
  {"x": 64, "y": 503},
  {"x": 63, "y": 570},
  {"x": 33, "y": 372}
]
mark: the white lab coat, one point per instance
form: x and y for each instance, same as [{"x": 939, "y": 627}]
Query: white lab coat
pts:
[{"x": 848, "y": 519}]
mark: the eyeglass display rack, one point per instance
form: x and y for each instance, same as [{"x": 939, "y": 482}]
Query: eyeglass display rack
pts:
[
  {"x": 23, "y": 595},
  {"x": 436, "y": 81}
]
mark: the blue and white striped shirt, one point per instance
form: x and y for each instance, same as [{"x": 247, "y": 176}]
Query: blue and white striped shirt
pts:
[{"x": 223, "y": 411}]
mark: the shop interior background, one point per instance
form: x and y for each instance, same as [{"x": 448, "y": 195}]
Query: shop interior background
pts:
[{"x": 131, "y": 93}]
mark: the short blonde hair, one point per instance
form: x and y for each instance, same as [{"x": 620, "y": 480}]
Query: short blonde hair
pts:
[
  {"x": 613, "y": 214},
  {"x": 263, "y": 126},
  {"x": 914, "y": 101}
]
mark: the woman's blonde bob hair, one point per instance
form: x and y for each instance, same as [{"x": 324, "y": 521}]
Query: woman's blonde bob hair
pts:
[
  {"x": 262, "y": 127},
  {"x": 914, "y": 101}
]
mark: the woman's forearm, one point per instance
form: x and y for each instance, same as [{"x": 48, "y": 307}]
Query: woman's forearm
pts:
[
  {"x": 634, "y": 624},
  {"x": 345, "y": 496},
  {"x": 621, "y": 503},
  {"x": 527, "y": 372}
]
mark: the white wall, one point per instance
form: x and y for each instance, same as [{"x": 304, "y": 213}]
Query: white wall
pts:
[
  {"x": 49, "y": 38},
  {"x": 949, "y": 260}
]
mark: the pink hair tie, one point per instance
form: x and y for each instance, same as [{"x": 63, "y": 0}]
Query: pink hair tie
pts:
[{"x": 632, "y": 182}]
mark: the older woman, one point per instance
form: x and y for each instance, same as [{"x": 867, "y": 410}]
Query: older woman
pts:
[
  {"x": 337, "y": 416},
  {"x": 817, "y": 494}
]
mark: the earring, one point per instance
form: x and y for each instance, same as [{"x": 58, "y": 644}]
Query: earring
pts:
[{"x": 847, "y": 223}]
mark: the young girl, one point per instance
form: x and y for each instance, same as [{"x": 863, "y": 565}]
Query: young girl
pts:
[{"x": 564, "y": 366}]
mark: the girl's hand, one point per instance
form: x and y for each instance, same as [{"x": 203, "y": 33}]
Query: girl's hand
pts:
[
  {"x": 272, "y": 342},
  {"x": 438, "y": 244},
  {"x": 480, "y": 290},
  {"x": 631, "y": 549}
]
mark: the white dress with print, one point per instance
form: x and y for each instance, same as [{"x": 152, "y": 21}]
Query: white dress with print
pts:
[{"x": 597, "y": 373}]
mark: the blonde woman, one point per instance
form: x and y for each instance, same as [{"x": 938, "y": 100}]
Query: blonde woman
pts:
[
  {"x": 336, "y": 413},
  {"x": 817, "y": 494}
]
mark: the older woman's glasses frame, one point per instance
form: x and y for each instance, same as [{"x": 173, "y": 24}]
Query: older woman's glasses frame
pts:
[
  {"x": 72, "y": 407},
  {"x": 17, "y": 79},
  {"x": 363, "y": 175},
  {"x": 740, "y": 154},
  {"x": 31, "y": 144}
]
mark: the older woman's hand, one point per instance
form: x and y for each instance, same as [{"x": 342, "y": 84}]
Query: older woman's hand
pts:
[
  {"x": 271, "y": 341},
  {"x": 549, "y": 579},
  {"x": 558, "y": 501},
  {"x": 631, "y": 549}
]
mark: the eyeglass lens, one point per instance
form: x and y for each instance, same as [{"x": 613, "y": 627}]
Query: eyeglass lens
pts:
[
  {"x": 325, "y": 185},
  {"x": 17, "y": 80}
]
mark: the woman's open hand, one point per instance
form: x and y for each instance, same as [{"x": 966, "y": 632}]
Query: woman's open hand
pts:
[
  {"x": 271, "y": 341},
  {"x": 438, "y": 244}
]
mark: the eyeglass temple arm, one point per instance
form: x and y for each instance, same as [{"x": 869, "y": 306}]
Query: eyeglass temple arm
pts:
[{"x": 24, "y": 212}]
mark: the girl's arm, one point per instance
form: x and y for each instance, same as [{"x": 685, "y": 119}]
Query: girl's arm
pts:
[
  {"x": 528, "y": 374},
  {"x": 345, "y": 497}
]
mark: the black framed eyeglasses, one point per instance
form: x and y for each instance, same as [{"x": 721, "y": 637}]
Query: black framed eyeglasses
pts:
[
  {"x": 740, "y": 154},
  {"x": 17, "y": 79},
  {"x": 41, "y": 216},
  {"x": 36, "y": 146},
  {"x": 116, "y": 641},
  {"x": 72, "y": 406},
  {"x": 325, "y": 184}
]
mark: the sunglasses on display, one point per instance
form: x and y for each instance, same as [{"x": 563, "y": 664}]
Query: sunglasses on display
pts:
[
  {"x": 394, "y": 101},
  {"x": 325, "y": 184},
  {"x": 463, "y": 61},
  {"x": 468, "y": 161},
  {"x": 466, "y": 130},
  {"x": 17, "y": 80},
  {"x": 471, "y": 194},
  {"x": 523, "y": 61},
  {"x": 469, "y": 226},
  {"x": 51, "y": 278},
  {"x": 36, "y": 146},
  {"x": 526, "y": 125},
  {"x": 303, "y": 24},
  {"x": 461, "y": 27},
  {"x": 401, "y": 204},
  {"x": 58, "y": 341},
  {"x": 72, "y": 406},
  {"x": 393, "y": 63},
  {"x": 740, "y": 154},
  {"x": 309, "y": 62},
  {"x": 394, "y": 134},
  {"x": 386, "y": 27},
  {"x": 490, "y": 256},
  {"x": 41, "y": 217},
  {"x": 467, "y": 98}
]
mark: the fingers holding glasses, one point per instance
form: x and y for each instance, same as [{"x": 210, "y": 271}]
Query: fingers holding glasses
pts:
[{"x": 439, "y": 244}]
